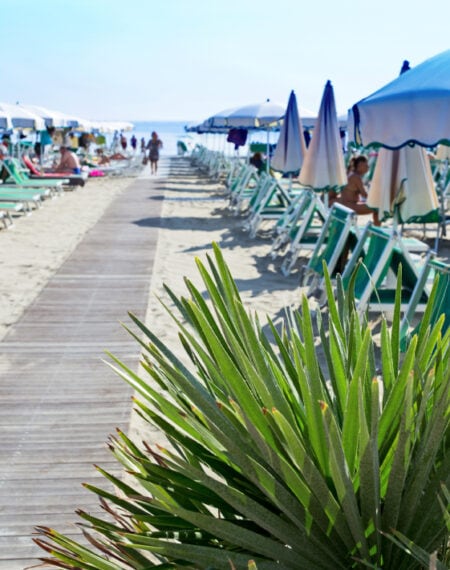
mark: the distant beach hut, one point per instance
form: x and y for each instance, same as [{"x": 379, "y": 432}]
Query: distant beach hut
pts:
[
  {"x": 290, "y": 150},
  {"x": 323, "y": 168}
]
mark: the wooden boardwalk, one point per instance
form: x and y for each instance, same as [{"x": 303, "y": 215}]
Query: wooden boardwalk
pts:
[{"x": 58, "y": 400}]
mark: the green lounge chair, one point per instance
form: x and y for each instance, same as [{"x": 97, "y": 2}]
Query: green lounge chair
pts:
[
  {"x": 337, "y": 238},
  {"x": 249, "y": 191},
  {"x": 305, "y": 233},
  {"x": 6, "y": 208},
  {"x": 25, "y": 196},
  {"x": 19, "y": 177},
  {"x": 381, "y": 252},
  {"x": 272, "y": 205},
  {"x": 432, "y": 269}
]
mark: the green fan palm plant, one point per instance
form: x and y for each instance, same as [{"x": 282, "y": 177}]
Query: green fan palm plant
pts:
[{"x": 296, "y": 448}]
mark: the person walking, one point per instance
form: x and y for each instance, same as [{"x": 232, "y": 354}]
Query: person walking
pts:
[{"x": 154, "y": 145}]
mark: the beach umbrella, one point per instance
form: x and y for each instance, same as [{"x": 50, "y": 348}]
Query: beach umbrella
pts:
[
  {"x": 20, "y": 118},
  {"x": 52, "y": 118},
  {"x": 256, "y": 116},
  {"x": 290, "y": 150},
  {"x": 219, "y": 120},
  {"x": 323, "y": 167},
  {"x": 402, "y": 186},
  {"x": 414, "y": 108},
  {"x": 5, "y": 119}
]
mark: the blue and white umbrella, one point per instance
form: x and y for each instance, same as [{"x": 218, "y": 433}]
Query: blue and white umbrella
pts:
[
  {"x": 414, "y": 108},
  {"x": 323, "y": 167},
  {"x": 15, "y": 116},
  {"x": 290, "y": 150}
]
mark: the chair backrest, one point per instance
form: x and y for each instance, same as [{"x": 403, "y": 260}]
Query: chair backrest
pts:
[
  {"x": 374, "y": 248},
  {"x": 333, "y": 239},
  {"x": 441, "y": 304},
  {"x": 29, "y": 164},
  {"x": 14, "y": 170}
]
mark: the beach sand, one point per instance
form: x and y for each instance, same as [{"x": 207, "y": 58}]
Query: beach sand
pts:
[{"x": 194, "y": 214}]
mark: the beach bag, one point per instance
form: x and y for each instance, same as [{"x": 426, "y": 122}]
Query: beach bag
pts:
[{"x": 144, "y": 160}]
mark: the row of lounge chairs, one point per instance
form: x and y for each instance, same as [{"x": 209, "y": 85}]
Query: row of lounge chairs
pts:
[
  {"x": 367, "y": 257},
  {"x": 22, "y": 192}
]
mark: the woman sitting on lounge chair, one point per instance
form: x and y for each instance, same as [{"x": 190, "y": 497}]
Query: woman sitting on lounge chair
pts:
[{"x": 354, "y": 189}]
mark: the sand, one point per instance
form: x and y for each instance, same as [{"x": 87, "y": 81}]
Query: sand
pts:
[{"x": 194, "y": 214}]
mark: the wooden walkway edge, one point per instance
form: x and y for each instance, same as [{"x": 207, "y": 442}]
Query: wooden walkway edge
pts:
[{"x": 58, "y": 400}]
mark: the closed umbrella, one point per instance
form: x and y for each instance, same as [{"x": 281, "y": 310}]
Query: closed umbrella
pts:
[
  {"x": 414, "y": 108},
  {"x": 323, "y": 167},
  {"x": 402, "y": 186},
  {"x": 290, "y": 150}
]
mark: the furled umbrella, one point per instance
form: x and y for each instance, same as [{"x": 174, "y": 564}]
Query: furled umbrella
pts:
[
  {"x": 402, "y": 186},
  {"x": 323, "y": 167},
  {"x": 290, "y": 150}
]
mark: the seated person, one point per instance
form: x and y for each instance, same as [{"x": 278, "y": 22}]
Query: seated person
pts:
[
  {"x": 118, "y": 156},
  {"x": 69, "y": 162},
  {"x": 257, "y": 161},
  {"x": 101, "y": 158},
  {"x": 354, "y": 189}
]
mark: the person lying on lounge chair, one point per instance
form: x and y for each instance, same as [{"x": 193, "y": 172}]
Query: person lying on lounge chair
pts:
[{"x": 69, "y": 162}]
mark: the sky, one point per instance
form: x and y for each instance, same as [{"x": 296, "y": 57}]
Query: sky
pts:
[{"x": 188, "y": 59}]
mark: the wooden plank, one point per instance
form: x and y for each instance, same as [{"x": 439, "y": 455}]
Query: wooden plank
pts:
[{"x": 59, "y": 402}]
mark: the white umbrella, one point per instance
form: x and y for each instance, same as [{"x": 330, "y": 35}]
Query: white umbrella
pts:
[
  {"x": 415, "y": 107},
  {"x": 5, "y": 119},
  {"x": 20, "y": 118},
  {"x": 323, "y": 167},
  {"x": 290, "y": 150},
  {"x": 402, "y": 186},
  {"x": 219, "y": 119},
  {"x": 255, "y": 116},
  {"x": 51, "y": 118}
]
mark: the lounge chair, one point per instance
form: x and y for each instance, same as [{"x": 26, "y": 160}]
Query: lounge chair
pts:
[
  {"x": 375, "y": 260},
  {"x": 270, "y": 206},
  {"x": 439, "y": 298},
  {"x": 18, "y": 176},
  {"x": 6, "y": 208},
  {"x": 25, "y": 196},
  {"x": 339, "y": 235},
  {"x": 305, "y": 233},
  {"x": 67, "y": 178}
]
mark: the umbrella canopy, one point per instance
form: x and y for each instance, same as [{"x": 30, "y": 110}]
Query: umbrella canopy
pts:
[
  {"x": 403, "y": 179},
  {"x": 323, "y": 168},
  {"x": 17, "y": 117},
  {"x": 51, "y": 118},
  {"x": 415, "y": 107},
  {"x": 219, "y": 120},
  {"x": 258, "y": 115},
  {"x": 290, "y": 150}
]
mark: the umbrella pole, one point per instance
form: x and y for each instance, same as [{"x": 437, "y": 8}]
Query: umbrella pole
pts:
[{"x": 268, "y": 151}]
